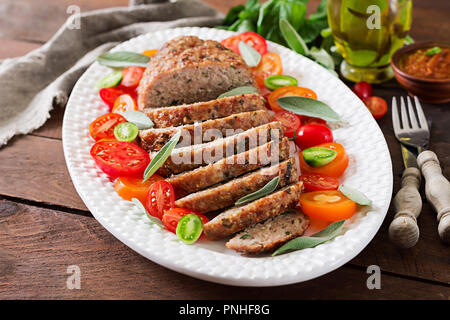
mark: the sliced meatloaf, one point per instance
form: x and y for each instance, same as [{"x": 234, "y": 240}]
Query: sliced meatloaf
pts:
[
  {"x": 191, "y": 157},
  {"x": 230, "y": 167},
  {"x": 270, "y": 234},
  {"x": 201, "y": 111},
  {"x": 155, "y": 139},
  {"x": 239, "y": 218},
  {"x": 227, "y": 194},
  {"x": 187, "y": 70}
]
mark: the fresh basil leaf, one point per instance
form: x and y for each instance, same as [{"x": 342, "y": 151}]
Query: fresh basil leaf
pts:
[
  {"x": 433, "y": 51},
  {"x": 267, "y": 189},
  {"x": 233, "y": 15},
  {"x": 110, "y": 80},
  {"x": 138, "y": 118},
  {"x": 312, "y": 241},
  {"x": 250, "y": 55},
  {"x": 292, "y": 38},
  {"x": 355, "y": 195},
  {"x": 322, "y": 57},
  {"x": 122, "y": 59},
  {"x": 152, "y": 219},
  {"x": 308, "y": 107},
  {"x": 161, "y": 157},
  {"x": 246, "y": 26},
  {"x": 238, "y": 91}
]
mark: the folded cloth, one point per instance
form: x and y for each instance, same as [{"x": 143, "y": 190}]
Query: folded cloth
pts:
[{"x": 30, "y": 86}]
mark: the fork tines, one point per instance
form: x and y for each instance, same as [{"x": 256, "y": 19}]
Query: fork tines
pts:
[{"x": 409, "y": 121}]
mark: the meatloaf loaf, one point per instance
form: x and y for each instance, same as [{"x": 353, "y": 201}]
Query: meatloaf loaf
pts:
[{"x": 188, "y": 70}]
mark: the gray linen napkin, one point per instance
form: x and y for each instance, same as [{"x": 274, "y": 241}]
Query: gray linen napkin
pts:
[{"x": 30, "y": 86}]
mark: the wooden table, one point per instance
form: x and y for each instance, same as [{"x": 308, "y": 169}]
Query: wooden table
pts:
[{"x": 45, "y": 227}]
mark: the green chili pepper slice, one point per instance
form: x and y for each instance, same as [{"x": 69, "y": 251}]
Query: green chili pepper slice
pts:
[
  {"x": 278, "y": 81},
  {"x": 110, "y": 80},
  {"x": 126, "y": 131},
  {"x": 189, "y": 228},
  {"x": 318, "y": 156}
]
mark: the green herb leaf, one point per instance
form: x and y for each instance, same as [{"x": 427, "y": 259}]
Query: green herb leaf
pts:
[
  {"x": 233, "y": 15},
  {"x": 110, "y": 80},
  {"x": 355, "y": 195},
  {"x": 152, "y": 219},
  {"x": 122, "y": 59},
  {"x": 300, "y": 243},
  {"x": 138, "y": 118},
  {"x": 433, "y": 51},
  {"x": 322, "y": 57},
  {"x": 409, "y": 40},
  {"x": 267, "y": 189},
  {"x": 308, "y": 107},
  {"x": 250, "y": 55},
  {"x": 161, "y": 156},
  {"x": 293, "y": 39},
  {"x": 245, "y": 236},
  {"x": 238, "y": 91}
]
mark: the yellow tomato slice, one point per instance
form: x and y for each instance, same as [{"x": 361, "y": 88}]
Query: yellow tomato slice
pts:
[{"x": 124, "y": 103}]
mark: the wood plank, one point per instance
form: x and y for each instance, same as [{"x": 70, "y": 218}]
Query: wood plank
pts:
[
  {"x": 39, "y": 244},
  {"x": 13, "y": 48}
]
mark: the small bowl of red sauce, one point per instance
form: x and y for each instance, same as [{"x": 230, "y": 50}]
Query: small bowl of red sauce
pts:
[{"x": 423, "y": 68}]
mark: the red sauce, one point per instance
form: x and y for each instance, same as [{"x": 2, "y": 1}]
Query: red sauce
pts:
[{"x": 419, "y": 64}]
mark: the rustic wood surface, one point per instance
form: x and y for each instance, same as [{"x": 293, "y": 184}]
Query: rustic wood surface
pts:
[{"x": 45, "y": 227}]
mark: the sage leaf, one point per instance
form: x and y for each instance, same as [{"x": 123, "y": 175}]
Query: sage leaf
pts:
[
  {"x": 308, "y": 107},
  {"x": 293, "y": 39},
  {"x": 138, "y": 118},
  {"x": 322, "y": 57},
  {"x": 152, "y": 219},
  {"x": 110, "y": 80},
  {"x": 355, "y": 195},
  {"x": 312, "y": 241},
  {"x": 238, "y": 91},
  {"x": 122, "y": 59},
  {"x": 161, "y": 156},
  {"x": 250, "y": 55},
  {"x": 267, "y": 189}
]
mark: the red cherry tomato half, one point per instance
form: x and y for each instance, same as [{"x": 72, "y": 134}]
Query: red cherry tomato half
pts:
[
  {"x": 318, "y": 182},
  {"x": 311, "y": 135},
  {"x": 363, "y": 90},
  {"x": 109, "y": 95},
  {"x": 251, "y": 38},
  {"x": 171, "y": 217},
  {"x": 377, "y": 106},
  {"x": 311, "y": 120},
  {"x": 290, "y": 122},
  {"x": 103, "y": 126},
  {"x": 131, "y": 76},
  {"x": 120, "y": 158},
  {"x": 160, "y": 198}
]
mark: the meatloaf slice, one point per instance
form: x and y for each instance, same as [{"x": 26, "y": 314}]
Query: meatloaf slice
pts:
[
  {"x": 227, "y": 194},
  {"x": 201, "y": 111},
  {"x": 230, "y": 167},
  {"x": 155, "y": 139},
  {"x": 239, "y": 218},
  {"x": 270, "y": 234},
  {"x": 187, "y": 69},
  {"x": 191, "y": 157}
]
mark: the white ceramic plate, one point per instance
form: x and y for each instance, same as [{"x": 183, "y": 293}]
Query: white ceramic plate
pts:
[{"x": 369, "y": 171}]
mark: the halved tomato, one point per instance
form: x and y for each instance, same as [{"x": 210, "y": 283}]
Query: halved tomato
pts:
[
  {"x": 171, "y": 217},
  {"x": 318, "y": 182},
  {"x": 120, "y": 158},
  {"x": 329, "y": 205},
  {"x": 132, "y": 187},
  {"x": 311, "y": 120},
  {"x": 288, "y": 92},
  {"x": 103, "y": 126},
  {"x": 124, "y": 103},
  {"x": 290, "y": 122},
  {"x": 131, "y": 76},
  {"x": 160, "y": 198},
  {"x": 251, "y": 38},
  {"x": 335, "y": 168},
  {"x": 270, "y": 64},
  {"x": 377, "y": 106},
  {"x": 109, "y": 95}
]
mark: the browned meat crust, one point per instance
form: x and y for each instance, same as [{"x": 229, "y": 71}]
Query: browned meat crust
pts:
[
  {"x": 191, "y": 157},
  {"x": 230, "y": 167},
  {"x": 239, "y": 218},
  {"x": 227, "y": 194},
  {"x": 187, "y": 70},
  {"x": 190, "y": 113},
  {"x": 155, "y": 139},
  {"x": 270, "y": 234}
]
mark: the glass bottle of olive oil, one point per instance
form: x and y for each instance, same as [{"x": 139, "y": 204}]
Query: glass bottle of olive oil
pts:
[{"x": 367, "y": 33}]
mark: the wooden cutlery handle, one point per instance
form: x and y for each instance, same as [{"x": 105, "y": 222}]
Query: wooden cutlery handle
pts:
[
  {"x": 437, "y": 190},
  {"x": 403, "y": 230}
]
